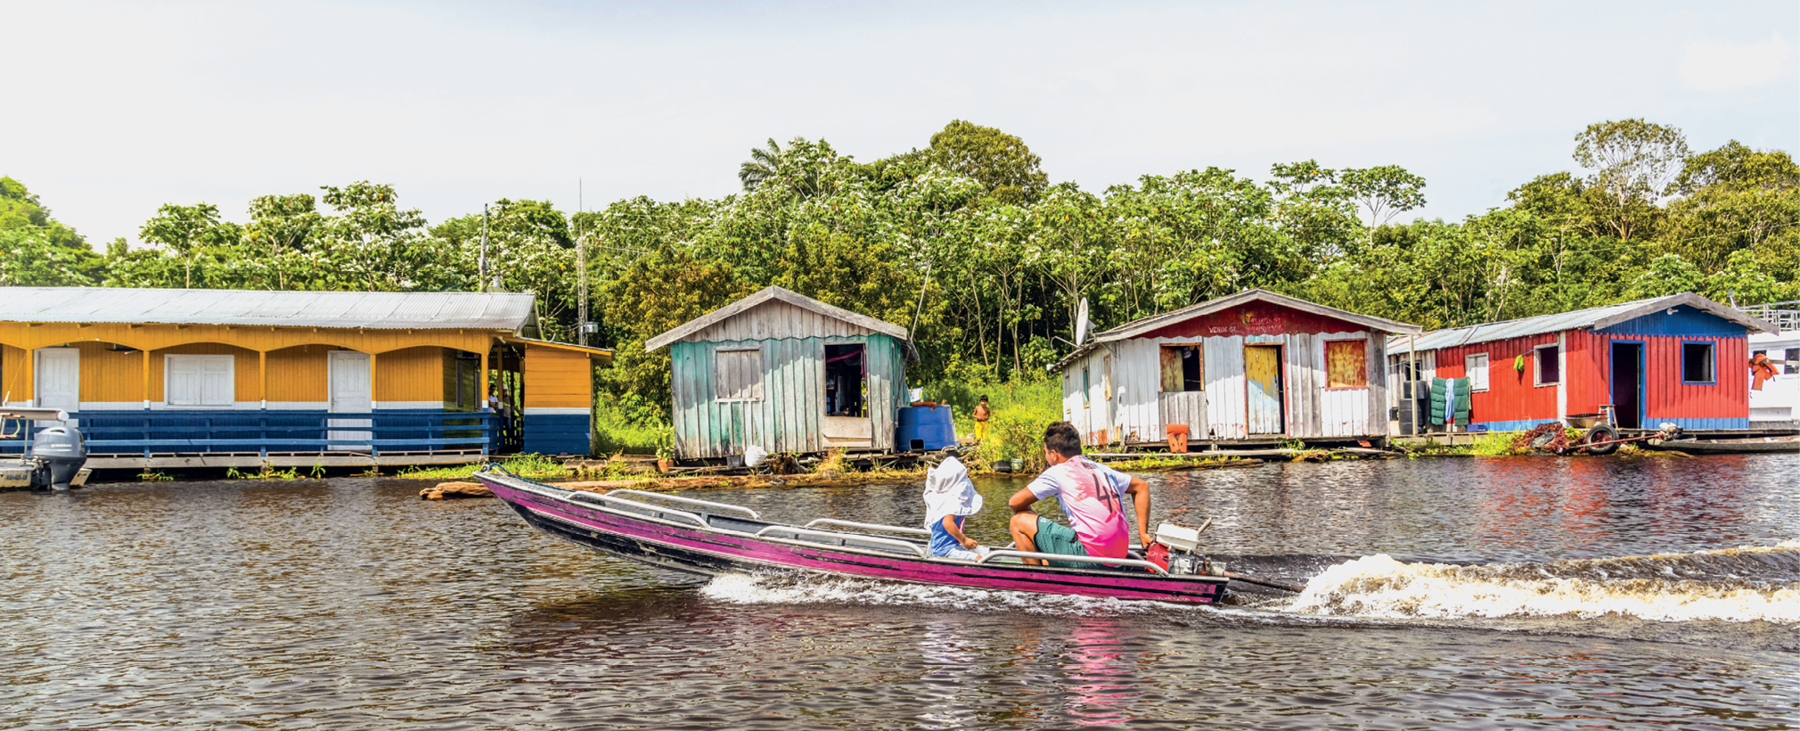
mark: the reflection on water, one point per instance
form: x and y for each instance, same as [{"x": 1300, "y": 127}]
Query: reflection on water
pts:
[{"x": 350, "y": 603}]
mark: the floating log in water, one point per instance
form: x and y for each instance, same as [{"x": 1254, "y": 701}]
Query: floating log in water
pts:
[{"x": 455, "y": 491}]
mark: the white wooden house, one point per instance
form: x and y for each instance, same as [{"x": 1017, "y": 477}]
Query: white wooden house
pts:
[{"x": 1255, "y": 364}]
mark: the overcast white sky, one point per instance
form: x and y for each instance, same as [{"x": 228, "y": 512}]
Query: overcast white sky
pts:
[{"x": 113, "y": 109}]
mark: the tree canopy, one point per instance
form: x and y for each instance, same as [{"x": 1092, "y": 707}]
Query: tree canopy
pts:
[{"x": 967, "y": 244}]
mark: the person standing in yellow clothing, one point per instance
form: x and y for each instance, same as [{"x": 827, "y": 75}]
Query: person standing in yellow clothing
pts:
[{"x": 982, "y": 414}]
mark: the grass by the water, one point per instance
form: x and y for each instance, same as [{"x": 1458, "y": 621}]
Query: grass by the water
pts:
[
  {"x": 529, "y": 466},
  {"x": 1166, "y": 463},
  {"x": 1021, "y": 410},
  {"x": 614, "y": 432}
]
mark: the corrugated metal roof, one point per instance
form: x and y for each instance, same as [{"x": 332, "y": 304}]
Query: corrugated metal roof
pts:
[
  {"x": 1592, "y": 317},
  {"x": 1144, "y": 325},
  {"x": 369, "y": 310},
  {"x": 793, "y": 298}
]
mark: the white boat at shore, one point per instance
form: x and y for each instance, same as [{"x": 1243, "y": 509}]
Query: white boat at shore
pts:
[{"x": 1776, "y": 400}]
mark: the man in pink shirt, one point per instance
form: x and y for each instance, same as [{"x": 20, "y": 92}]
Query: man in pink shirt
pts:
[{"x": 1092, "y": 496}]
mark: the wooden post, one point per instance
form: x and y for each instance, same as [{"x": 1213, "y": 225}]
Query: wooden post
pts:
[
  {"x": 146, "y": 379},
  {"x": 30, "y": 377},
  {"x": 372, "y": 383},
  {"x": 487, "y": 436},
  {"x": 1412, "y": 354}
]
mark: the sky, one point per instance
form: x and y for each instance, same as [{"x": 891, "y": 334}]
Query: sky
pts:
[{"x": 113, "y": 109}]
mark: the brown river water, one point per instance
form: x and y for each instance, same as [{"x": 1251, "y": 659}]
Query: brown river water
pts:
[{"x": 1472, "y": 593}]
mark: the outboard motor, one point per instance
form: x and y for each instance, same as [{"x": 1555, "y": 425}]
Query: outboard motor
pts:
[
  {"x": 63, "y": 451},
  {"x": 1174, "y": 551}
]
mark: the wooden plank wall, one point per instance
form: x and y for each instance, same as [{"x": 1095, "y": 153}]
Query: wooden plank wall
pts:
[
  {"x": 299, "y": 375},
  {"x": 411, "y": 374},
  {"x": 787, "y": 418},
  {"x": 777, "y": 320},
  {"x": 296, "y": 360},
  {"x": 554, "y": 379},
  {"x": 1139, "y": 409},
  {"x": 1397, "y": 358}
]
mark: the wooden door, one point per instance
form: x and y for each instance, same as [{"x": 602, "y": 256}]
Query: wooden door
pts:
[
  {"x": 59, "y": 379},
  {"x": 351, "y": 393},
  {"x": 1263, "y": 389},
  {"x": 1109, "y": 427}
]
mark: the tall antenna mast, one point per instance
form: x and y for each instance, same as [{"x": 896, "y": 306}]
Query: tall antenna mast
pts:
[
  {"x": 482, "y": 268},
  {"x": 581, "y": 320}
]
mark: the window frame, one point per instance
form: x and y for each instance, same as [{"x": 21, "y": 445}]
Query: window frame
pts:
[
  {"x": 1712, "y": 363},
  {"x": 1181, "y": 364},
  {"x": 756, "y": 387},
  {"x": 1469, "y": 369},
  {"x": 1364, "y": 373},
  {"x": 1790, "y": 361},
  {"x": 1537, "y": 364}
]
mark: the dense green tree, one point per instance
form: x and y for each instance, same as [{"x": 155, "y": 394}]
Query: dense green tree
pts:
[
  {"x": 790, "y": 167},
  {"x": 1384, "y": 191},
  {"x": 999, "y": 161},
  {"x": 656, "y": 292},
  {"x": 281, "y": 234},
  {"x": 1632, "y": 164},
  {"x": 37, "y": 250},
  {"x": 966, "y": 244},
  {"x": 193, "y": 235},
  {"x": 1668, "y": 274}
]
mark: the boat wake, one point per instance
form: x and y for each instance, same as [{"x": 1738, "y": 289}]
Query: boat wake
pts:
[
  {"x": 809, "y": 589},
  {"x": 1733, "y": 585}
]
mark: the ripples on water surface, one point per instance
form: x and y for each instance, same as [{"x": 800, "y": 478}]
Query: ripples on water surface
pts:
[{"x": 1485, "y": 594}]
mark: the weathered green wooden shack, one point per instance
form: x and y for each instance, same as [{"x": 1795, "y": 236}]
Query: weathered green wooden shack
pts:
[{"x": 786, "y": 373}]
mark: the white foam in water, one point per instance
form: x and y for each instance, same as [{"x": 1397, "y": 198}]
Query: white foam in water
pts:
[
  {"x": 747, "y": 589},
  {"x": 1379, "y": 586}
]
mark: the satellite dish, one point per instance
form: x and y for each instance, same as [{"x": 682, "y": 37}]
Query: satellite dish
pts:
[{"x": 1081, "y": 323}]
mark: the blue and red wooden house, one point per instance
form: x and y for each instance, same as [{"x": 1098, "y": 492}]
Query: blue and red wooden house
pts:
[{"x": 1678, "y": 359}]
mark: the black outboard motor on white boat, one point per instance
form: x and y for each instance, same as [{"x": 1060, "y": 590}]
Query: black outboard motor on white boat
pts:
[
  {"x": 63, "y": 451},
  {"x": 56, "y": 457}
]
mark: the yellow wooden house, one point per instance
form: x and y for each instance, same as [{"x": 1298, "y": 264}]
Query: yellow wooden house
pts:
[{"x": 171, "y": 377}]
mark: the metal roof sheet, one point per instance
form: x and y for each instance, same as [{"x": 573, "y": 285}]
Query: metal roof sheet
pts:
[
  {"x": 368, "y": 310},
  {"x": 793, "y": 298},
  {"x": 1152, "y": 323},
  {"x": 1592, "y": 317}
]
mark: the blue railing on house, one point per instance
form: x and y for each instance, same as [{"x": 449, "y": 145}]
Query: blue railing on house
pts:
[{"x": 145, "y": 433}]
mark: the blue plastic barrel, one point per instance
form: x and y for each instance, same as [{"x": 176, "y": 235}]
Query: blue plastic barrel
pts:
[{"x": 924, "y": 429}]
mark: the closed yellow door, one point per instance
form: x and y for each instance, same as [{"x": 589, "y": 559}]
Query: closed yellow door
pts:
[{"x": 1262, "y": 387}]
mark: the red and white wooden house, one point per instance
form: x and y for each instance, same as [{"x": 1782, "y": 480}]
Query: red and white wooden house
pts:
[
  {"x": 1248, "y": 365},
  {"x": 1680, "y": 359}
]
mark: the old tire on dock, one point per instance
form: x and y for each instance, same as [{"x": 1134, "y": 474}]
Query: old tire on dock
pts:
[{"x": 1600, "y": 433}]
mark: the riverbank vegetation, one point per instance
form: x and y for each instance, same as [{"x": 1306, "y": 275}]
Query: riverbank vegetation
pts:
[
  {"x": 970, "y": 244},
  {"x": 528, "y": 466}
]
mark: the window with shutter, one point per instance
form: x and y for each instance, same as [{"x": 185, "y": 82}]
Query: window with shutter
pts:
[
  {"x": 199, "y": 380},
  {"x": 1475, "y": 368},
  {"x": 1346, "y": 364},
  {"x": 737, "y": 375}
]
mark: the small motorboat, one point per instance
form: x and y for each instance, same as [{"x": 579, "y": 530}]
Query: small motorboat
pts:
[
  {"x": 1758, "y": 445},
  {"x": 703, "y": 537},
  {"x": 52, "y": 459}
]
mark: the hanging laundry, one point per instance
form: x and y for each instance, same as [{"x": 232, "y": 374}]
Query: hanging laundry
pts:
[{"x": 1760, "y": 370}]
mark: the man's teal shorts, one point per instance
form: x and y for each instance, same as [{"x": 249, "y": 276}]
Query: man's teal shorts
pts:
[{"x": 1054, "y": 537}]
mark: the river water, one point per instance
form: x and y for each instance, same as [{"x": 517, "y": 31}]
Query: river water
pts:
[{"x": 1475, "y": 593}]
